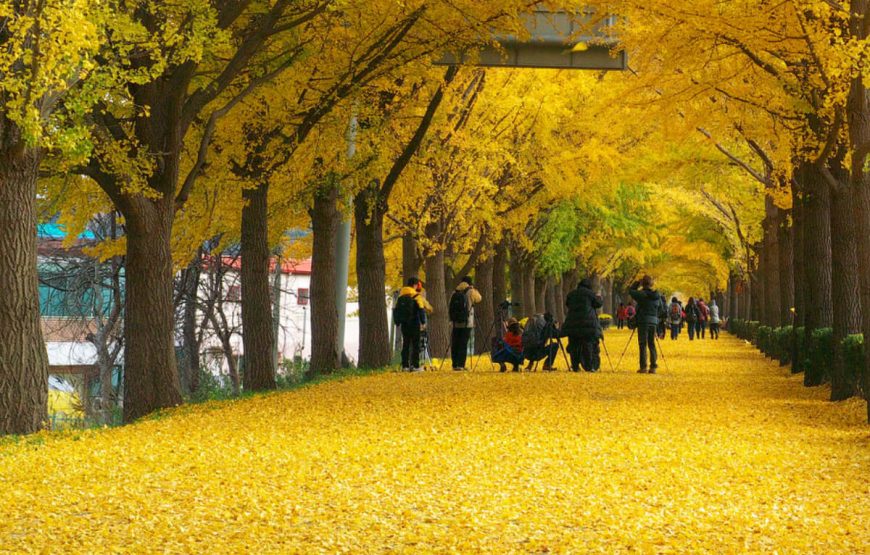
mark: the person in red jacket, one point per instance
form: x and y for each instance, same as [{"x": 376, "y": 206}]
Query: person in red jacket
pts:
[
  {"x": 510, "y": 348},
  {"x": 620, "y": 316}
]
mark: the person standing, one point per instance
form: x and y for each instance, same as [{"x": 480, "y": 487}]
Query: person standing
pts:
[
  {"x": 648, "y": 307},
  {"x": 692, "y": 316},
  {"x": 675, "y": 318},
  {"x": 410, "y": 314},
  {"x": 715, "y": 320},
  {"x": 620, "y": 316},
  {"x": 461, "y": 311},
  {"x": 704, "y": 313},
  {"x": 583, "y": 328}
]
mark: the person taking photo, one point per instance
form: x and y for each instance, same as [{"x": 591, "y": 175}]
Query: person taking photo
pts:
[{"x": 648, "y": 308}]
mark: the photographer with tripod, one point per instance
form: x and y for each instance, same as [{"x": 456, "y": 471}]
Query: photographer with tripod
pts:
[
  {"x": 410, "y": 314},
  {"x": 461, "y": 312},
  {"x": 583, "y": 327},
  {"x": 649, "y": 306},
  {"x": 538, "y": 339}
]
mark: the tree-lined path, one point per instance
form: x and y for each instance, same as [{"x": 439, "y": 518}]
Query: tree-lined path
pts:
[{"x": 724, "y": 452}]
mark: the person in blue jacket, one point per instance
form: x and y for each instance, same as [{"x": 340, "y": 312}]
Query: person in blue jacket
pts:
[{"x": 649, "y": 306}]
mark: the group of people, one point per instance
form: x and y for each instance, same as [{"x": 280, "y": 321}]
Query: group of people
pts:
[{"x": 538, "y": 338}]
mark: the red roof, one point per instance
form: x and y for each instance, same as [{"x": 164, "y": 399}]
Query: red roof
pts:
[{"x": 288, "y": 267}]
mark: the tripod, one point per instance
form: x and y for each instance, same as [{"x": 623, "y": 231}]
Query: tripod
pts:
[
  {"x": 500, "y": 321},
  {"x": 425, "y": 352},
  {"x": 552, "y": 335},
  {"x": 626, "y": 347}
]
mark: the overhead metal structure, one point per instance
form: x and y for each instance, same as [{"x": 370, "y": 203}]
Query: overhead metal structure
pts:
[{"x": 558, "y": 40}]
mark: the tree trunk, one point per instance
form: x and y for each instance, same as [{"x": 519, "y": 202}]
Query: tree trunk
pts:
[
  {"x": 410, "y": 257},
  {"x": 558, "y": 288},
  {"x": 23, "y": 357},
  {"x": 518, "y": 283},
  {"x": 551, "y": 303},
  {"x": 608, "y": 296},
  {"x": 772, "y": 310},
  {"x": 371, "y": 272},
  {"x": 529, "y": 297},
  {"x": 190, "y": 278},
  {"x": 258, "y": 335},
  {"x": 541, "y": 294},
  {"x": 746, "y": 297},
  {"x": 324, "y": 314},
  {"x": 798, "y": 274},
  {"x": 499, "y": 282},
  {"x": 786, "y": 271},
  {"x": 817, "y": 251},
  {"x": 845, "y": 291},
  {"x": 150, "y": 369},
  {"x": 439, "y": 323},
  {"x": 858, "y": 110},
  {"x": 484, "y": 313}
]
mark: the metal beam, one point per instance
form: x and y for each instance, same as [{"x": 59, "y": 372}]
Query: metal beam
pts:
[{"x": 556, "y": 40}]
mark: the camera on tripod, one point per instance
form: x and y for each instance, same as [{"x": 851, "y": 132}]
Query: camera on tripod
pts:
[{"x": 506, "y": 304}]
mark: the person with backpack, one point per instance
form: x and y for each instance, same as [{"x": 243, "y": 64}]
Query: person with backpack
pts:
[
  {"x": 661, "y": 329},
  {"x": 648, "y": 307},
  {"x": 693, "y": 316},
  {"x": 509, "y": 349},
  {"x": 675, "y": 318},
  {"x": 537, "y": 345},
  {"x": 461, "y": 312},
  {"x": 715, "y": 320},
  {"x": 703, "y": 316},
  {"x": 583, "y": 328},
  {"x": 410, "y": 315}
]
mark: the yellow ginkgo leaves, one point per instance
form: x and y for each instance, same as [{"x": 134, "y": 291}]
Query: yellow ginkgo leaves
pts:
[{"x": 720, "y": 452}]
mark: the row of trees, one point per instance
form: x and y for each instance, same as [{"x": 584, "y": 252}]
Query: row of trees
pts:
[{"x": 208, "y": 125}]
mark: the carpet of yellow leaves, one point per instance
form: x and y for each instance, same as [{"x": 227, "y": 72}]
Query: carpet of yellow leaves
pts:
[{"x": 722, "y": 453}]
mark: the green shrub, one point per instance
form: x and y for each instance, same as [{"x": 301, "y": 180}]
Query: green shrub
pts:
[
  {"x": 819, "y": 352},
  {"x": 763, "y": 339},
  {"x": 853, "y": 355}
]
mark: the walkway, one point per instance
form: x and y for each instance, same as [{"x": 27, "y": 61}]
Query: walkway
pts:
[{"x": 723, "y": 453}]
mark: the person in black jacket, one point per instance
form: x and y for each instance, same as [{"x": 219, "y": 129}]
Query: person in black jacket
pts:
[
  {"x": 583, "y": 328},
  {"x": 648, "y": 308}
]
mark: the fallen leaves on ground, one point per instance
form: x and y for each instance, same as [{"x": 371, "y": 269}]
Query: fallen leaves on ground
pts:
[{"x": 722, "y": 452}]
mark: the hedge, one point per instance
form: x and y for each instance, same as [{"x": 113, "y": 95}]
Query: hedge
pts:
[{"x": 818, "y": 351}]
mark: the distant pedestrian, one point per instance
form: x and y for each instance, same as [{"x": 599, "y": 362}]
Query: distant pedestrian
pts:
[
  {"x": 620, "y": 316},
  {"x": 675, "y": 318},
  {"x": 703, "y": 319},
  {"x": 648, "y": 307},
  {"x": 692, "y": 318},
  {"x": 715, "y": 320},
  {"x": 461, "y": 312}
]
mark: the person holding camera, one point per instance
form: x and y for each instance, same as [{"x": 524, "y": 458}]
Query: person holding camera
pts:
[
  {"x": 540, "y": 330},
  {"x": 583, "y": 328},
  {"x": 649, "y": 307},
  {"x": 410, "y": 314},
  {"x": 461, "y": 312}
]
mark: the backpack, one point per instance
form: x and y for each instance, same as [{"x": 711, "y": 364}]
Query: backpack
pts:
[
  {"x": 532, "y": 335},
  {"x": 458, "y": 309},
  {"x": 404, "y": 311}
]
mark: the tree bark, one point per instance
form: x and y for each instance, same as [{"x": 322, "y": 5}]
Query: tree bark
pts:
[
  {"x": 499, "y": 281},
  {"x": 772, "y": 299},
  {"x": 439, "y": 323},
  {"x": 484, "y": 313},
  {"x": 817, "y": 252},
  {"x": 786, "y": 271},
  {"x": 150, "y": 372},
  {"x": 858, "y": 112},
  {"x": 608, "y": 296},
  {"x": 529, "y": 297},
  {"x": 558, "y": 289},
  {"x": 518, "y": 283},
  {"x": 541, "y": 294},
  {"x": 410, "y": 258},
  {"x": 324, "y": 314},
  {"x": 798, "y": 273},
  {"x": 845, "y": 291},
  {"x": 23, "y": 357},
  {"x": 371, "y": 272},
  {"x": 257, "y": 330},
  {"x": 551, "y": 303},
  {"x": 190, "y": 278}
]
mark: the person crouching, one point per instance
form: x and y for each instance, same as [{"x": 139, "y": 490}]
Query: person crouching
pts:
[{"x": 510, "y": 348}]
